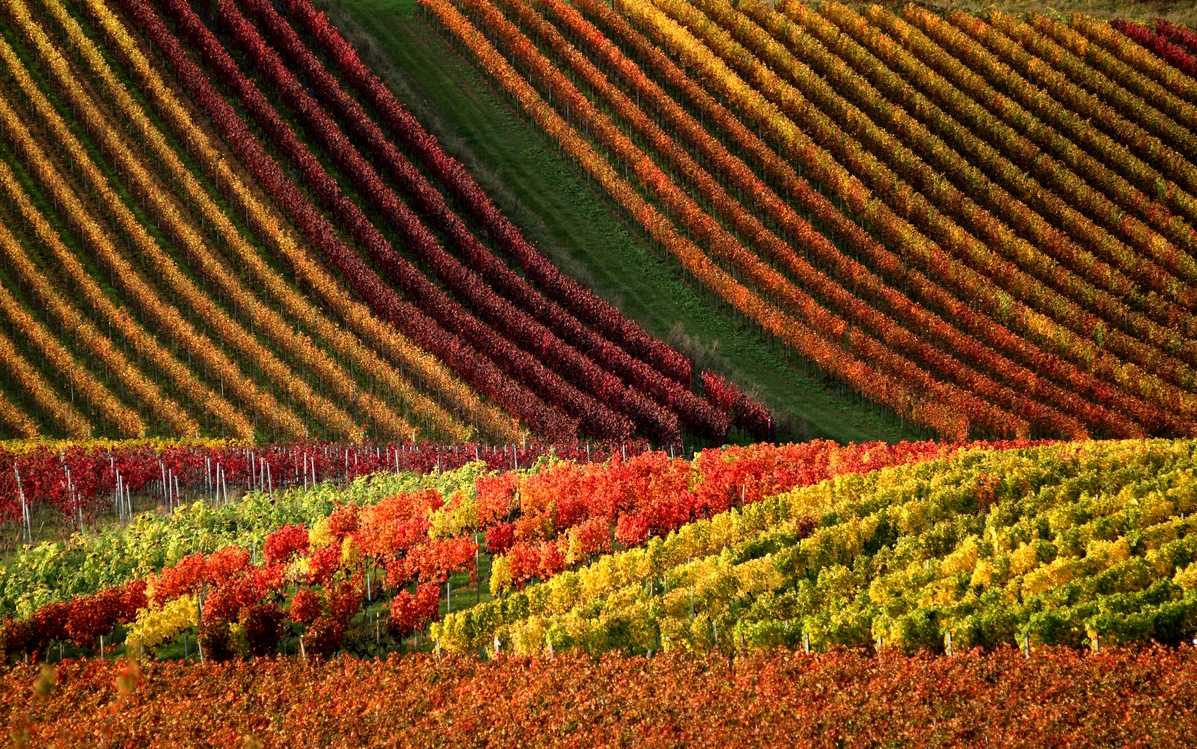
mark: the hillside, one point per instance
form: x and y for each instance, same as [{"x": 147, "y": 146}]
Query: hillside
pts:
[
  {"x": 880, "y": 223},
  {"x": 189, "y": 256},
  {"x": 975, "y": 250}
]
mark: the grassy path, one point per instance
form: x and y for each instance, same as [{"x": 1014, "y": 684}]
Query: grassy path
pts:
[{"x": 580, "y": 230}]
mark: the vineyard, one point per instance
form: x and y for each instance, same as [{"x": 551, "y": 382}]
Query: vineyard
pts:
[
  {"x": 189, "y": 257},
  {"x": 799, "y": 567},
  {"x": 886, "y": 197},
  {"x": 578, "y": 372}
]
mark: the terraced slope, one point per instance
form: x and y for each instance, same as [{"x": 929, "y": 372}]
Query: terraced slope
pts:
[{"x": 956, "y": 217}]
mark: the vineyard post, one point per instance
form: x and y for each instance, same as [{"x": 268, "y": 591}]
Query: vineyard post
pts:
[
  {"x": 949, "y": 637},
  {"x": 806, "y": 642},
  {"x": 26, "y": 515}
]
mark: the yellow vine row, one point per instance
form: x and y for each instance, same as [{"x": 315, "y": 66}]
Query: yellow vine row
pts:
[
  {"x": 64, "y": 414},
  {"x": 387, "y": 341},
  {"x": 163, "y": 407},
  {"x": 125, "y": 419},
  {"x": 17, "y": 420},
  {"x": 230, "y": 330},
  {"x": 97, "y": 344},
  {"x": 168, "y": 319},
  {"x": 300, "y": 345}
]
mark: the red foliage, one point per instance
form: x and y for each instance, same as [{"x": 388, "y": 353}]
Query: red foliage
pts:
[
  {"x": 287, "y": 541},
  {"x": 323, "y": 637},
  {"x": 1118, "y": 697},
  {"x": 345, "y": 598},
  {"x": 306, "y": 606},
  {"x": 411, "y": 612},
  {"x": 500, "y": 538},
  {"x": 323, "y": 563},
  {"x": 343, "y": 522},
  {"x": 225, "y": 603},
  {"x": 263, "y": 624}
]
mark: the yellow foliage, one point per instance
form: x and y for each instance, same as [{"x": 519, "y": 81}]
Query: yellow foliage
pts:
[
  {"x": 1108, "y": 553},
  {"x": 982, "y": 574},
  {"x": 156, "y": 626},
  {"x": 351, "y": 554},
  {"x": 963, "y": 559},
  {"x": 500, "y": 575},
  {"x": 318, "y": 536},
  {"x": 297, "y": 571},
  {"x": 1186, "y": 578},
  {"x": 1048, "y": 577},
  {"x": 1024, "y": 559}
]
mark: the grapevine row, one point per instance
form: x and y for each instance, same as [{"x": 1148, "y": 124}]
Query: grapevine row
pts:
[
  {"x": 1160, "y": 45},
  {"x": 1000, "y": 149},
  {"x": 58, "y": 359},
  {"x": 1135, "y": 374},
  {"x": 466, "y": 362},
  {"x": 86, "y": 334},
  {"x": 300, "y": 346},
  {"x": 894, "y": 270},
  {"x": 987, "y": 586},
  {"x": 1153, "y": 135},
  {"x": 179, "y": 227},
  {"x": 896, "y": 339},
  {"x": 948, "y": 181},
  {"x": 1059, "y": 130},
  {"x": 399, "y": 351},
  {"x": 91, "y": 231},
  {"x": 975, "y": 179},
  {"x": 517, "y": 325},
  {"x": 60, "y": 413},
  {"x": 693, "y": 412},
  {"x": 144, "y": 343},
  {"x": 809, "y": 344},
  {"x": 970, "y": 284},
  {"x": 585, "y": 304}
]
